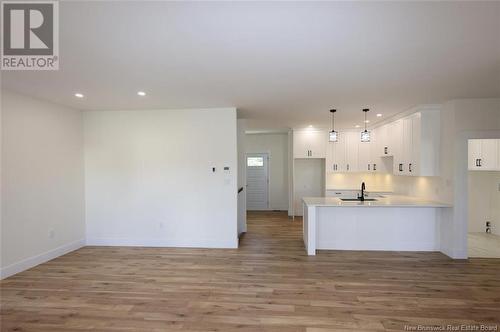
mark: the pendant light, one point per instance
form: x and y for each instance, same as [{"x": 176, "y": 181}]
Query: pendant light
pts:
[
  {"x": 365, "y": 134},
  {"x": 334, "y": 135}
]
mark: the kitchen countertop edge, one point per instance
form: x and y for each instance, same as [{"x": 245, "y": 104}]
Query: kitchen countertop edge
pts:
[{"x": 388, "y": 201}]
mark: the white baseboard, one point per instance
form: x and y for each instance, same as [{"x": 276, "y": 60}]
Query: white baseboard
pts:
[
  {"x": 269, "y": 209},
  {"x": 379, "y": 246},
  {"x": 173, "y": 243},
  {"x": 455, "y": 253},
  {"x": 28, "y": 263}
]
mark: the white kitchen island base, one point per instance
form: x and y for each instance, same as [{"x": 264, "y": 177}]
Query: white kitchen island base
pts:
[{"x": 336, "y": 225}]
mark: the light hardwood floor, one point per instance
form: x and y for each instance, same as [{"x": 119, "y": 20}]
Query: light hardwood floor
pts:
[{"x": 268, "y": 284}]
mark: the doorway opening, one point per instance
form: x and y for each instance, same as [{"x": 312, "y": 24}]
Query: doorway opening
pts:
[
  {"x": 257, "y": 167},
  {"x": 483, "y": 179}
]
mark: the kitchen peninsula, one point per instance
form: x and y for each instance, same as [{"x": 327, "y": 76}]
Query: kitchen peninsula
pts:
[{"x": 388, "y": 222}]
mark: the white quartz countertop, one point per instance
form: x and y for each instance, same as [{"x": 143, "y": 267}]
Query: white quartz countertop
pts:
[{"x": 385, "y": 201}]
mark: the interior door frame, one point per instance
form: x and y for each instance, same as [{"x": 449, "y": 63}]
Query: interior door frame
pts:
[
  {"x": 454, "y": 221},
  {"x": 268, "y": 154},
  {"x": 460, "y": 247}
]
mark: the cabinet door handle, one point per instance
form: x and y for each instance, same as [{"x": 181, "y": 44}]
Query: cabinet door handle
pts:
[
  {"x": 400, "y": 167},
  {"x": 374, "y": 167},
  {"x": 477, "y": 162},
  {"x": 480, "y": 162},
  {"x": 311, "y": 152},
  {"x": 347, "y": 166},
  {"x": 409, "y": 167},
  {"x": 368, "y": 166},
  {"x": 386, "y": 150}
]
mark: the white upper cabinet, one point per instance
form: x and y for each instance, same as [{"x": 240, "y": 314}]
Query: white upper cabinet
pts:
[
  {"x": 408, "y": 146},
  {"x": 365, "y": 162},
  {"x": 335, "y": 155},
  {"x": 342, "y": 156},
  {"x": 378, "y": 147},
  {"x": 309, "y": 143},
  {"x": 396, "y": 134},
  {"x": 484, "y": 154},
  {"x": 384, "y": 147},
  {"x": 474, "y": 153},
  {"x": 417, "y": 144},
  {"x": 352, "y": 141},
  {"x": 498, "y": 154},
  {"x": 489, "y": 154}
]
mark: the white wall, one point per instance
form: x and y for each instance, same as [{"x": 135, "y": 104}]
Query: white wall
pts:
[
  {"x": 276, "y": 145},
  {"x": 42, "y": 182},
  {"x": 149, "y": 179},
  {"x": 484, "y": 201},
  {"x": 309, "y": 180}
]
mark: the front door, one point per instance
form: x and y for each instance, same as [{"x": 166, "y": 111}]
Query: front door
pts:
[{"x": 257, "y": 181}]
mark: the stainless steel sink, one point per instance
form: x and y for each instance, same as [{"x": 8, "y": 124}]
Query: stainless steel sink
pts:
[{"x": 357, "y": 200}]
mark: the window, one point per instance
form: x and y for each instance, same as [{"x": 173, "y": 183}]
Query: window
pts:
[{"x": 255, "y": 161}]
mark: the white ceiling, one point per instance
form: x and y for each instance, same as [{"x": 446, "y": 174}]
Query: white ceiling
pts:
[{"x": 283, "y": 64}]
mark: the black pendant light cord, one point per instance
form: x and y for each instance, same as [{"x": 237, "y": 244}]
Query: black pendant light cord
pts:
[
  {"x": 366, "y": 111},
  {"x": 333, "y": 118}
]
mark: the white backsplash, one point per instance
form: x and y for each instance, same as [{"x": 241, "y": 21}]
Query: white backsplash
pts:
[
  {"x": 374, "y": 182},
  {"x": 426, "y": 187}
]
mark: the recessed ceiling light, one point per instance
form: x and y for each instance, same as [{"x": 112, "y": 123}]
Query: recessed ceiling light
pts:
[
  {"x": 78, "y": 95},
  {"x": 379, "y": 115},
  {"x": 141, "y": 93},
  {"x": 367, "y": 121},
  {"x": 310, "y": 126},
  {"x": 357, "y": 126}
]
